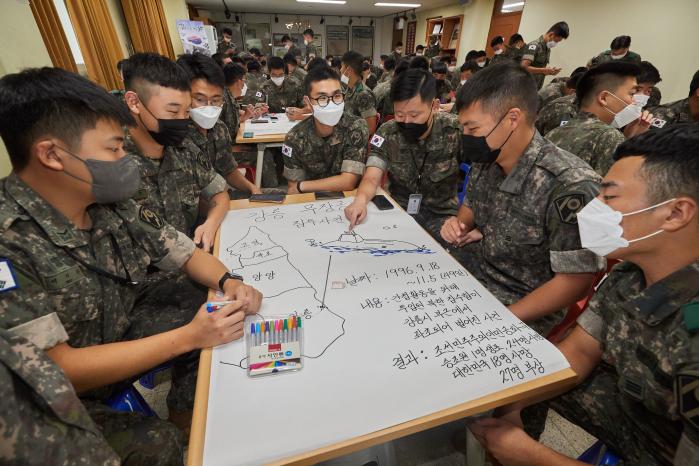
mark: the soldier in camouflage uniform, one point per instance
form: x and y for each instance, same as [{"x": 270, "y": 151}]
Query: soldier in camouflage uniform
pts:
[
  {"x": 636, "y": 347},
  {"x": 556, "y": 113},
  {"x": 359, "y": 100},
  {"x": 207, "y": 131},
  {"x": 226, "y": 43},
  {"x": 293, "y": 69},
  {"x": 312, "y": 50},
  {"x": 421, "y": 162},
  {"x": 75, "y": 249},
  {"x": 280, "y": 90},
  {"x": 326, "y": 152},
  {"x": 536, "y": 54},
  {"x": 681, "y": 111},
  {"x": 42, "y": 418},
  {"x": 553, "y": 91},
  {"x": 525, "y": 213},
  {"x": 592, "y": 135},
  {"x": 618, "y": 51},
  {"x": 254, "y": 79},
  {"x": 445, "y": 92}
]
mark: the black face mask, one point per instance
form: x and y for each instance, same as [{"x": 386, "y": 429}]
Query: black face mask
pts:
[
  {"x": 475, "y": 149},
  {"x": 413, "y": 131},
  {"x": 170, "y": 132}
]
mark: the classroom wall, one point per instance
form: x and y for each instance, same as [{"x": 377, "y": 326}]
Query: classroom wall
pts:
[
  {"x": 663, "y": 33},
  {"x": 174, "y": 10},
  {"x": 24, "y": 48}
]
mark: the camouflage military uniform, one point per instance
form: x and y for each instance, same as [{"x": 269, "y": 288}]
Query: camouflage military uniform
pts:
[
  {"x": 312, "y": 51},
  {"x": 371, "y": 81},
  {"x": 589, "y": 138},
  {"x": 642, "y": 401},
  {"x": 675, "y": 112},
  {"x": 42, "y": 418},
  {"x": 295, "y": 51},
  {"x": 528, "y": 222},
  {"x": 511, "y": 54},
  {"x": 539, "y": 54},
  {"x": 433, "y": 50},
  {"x": 255, "y": 80},
  {"x": 556, "y": 113},
  {"x": 654, "y": 99},
  {"x": 444, "y": 91},
  {"x": 215, "y": 145},
  {"x": 430, "y": 168},
  {"x": 311, "y": 157},
  {"x": 387, "y": 76},
  {"x": 171, "y": 186},
  {"x": 83, "y": 276},
  {"x": 551, "y": 92},
  {"x": 378, "y": 72},
  {"x": 360, "y": 101},
  {"x": 290, "y": 94},
  {"x": 605, "y": 57},
  {"x": 223, "y": 46},
  {"x": 382, "y": 93},
  {"x": 299, "y": 73},
  {"x": 230, "y": 113}
]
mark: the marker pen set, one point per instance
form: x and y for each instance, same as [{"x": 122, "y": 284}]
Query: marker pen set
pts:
[{"x": 273, "y": 344}]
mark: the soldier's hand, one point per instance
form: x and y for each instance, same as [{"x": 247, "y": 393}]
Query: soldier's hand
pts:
[
  {"x": 473, "y": 236},
  {"x": 204, "y": 235},
  {"x": 246, "y": 294},
  {"x": 355, "y": 213},
  {"x": 508, "y": 443},
  {"x": 453, "y": 231},
  {"x": 639, "y": 126},
  {"x": 224, "y": 325}
]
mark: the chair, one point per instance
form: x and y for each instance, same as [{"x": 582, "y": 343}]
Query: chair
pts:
[
  {"x": 130, "y": 400},
  {"x": 466, "y": 168},
  {"x": 599, "y": 455},
  {"x": 250, "y": 172},
  {"x": 561, "y": 329}
]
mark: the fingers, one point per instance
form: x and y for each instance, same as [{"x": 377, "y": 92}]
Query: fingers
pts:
[
  {"x": 198, "y": 234},
  {"x": 227, "y": 310}
]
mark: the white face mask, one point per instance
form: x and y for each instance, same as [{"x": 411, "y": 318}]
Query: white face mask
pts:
[
  {"x": 344, "y": 78},
  {"x": 287, "y": 46},
  {"x": 244, "y": 90},
  {"x": 631, "y": 112},
  {"x": 330, "y": 114},
  {"x": 600, "y": 227},
  {"x": 617, "y": 57},
  {"x": 463, "y": 81},
  {"x": 306, "y": 42},
  {"x": 641, "y": 99},
  {"x": 399, "y": 51},
  {"x": 451, "y": 68},
  {"x": 277, "y": 81},
  {"x": 551, "y": 44},
  {"x": 420, "y": 53},
  {"x": 206, "y": 116},
  {"x": 481, "y": 64},
  {"x": 498, "y": 51}
]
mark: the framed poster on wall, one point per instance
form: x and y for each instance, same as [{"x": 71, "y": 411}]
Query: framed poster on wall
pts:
[
  {"x": 363, "y": 40},
  {"x": 337, "y": 39}
]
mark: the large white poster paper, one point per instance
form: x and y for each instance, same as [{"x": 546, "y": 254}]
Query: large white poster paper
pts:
[{"x": 395, "y": 329}]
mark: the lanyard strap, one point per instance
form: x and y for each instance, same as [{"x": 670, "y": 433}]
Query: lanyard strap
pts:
[{"x": 104, "y": 273}]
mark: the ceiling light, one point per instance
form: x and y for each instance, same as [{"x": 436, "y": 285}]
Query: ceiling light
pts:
[
  {"x": 513, "y": 5},
  {"x": 403, "y": 5},
  {"x": 332, "y": 2}
]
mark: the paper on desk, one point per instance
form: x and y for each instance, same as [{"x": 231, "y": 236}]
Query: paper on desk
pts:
[{"x": 281, "y": 126}]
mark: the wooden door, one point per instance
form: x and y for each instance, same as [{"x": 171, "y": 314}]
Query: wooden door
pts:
[{"x": 502, "y": 24}]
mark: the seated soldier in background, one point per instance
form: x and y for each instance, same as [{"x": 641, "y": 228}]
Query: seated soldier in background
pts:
[
  {"x": 419, "y": 149},
  {"x": 384, "y": 104},
  {"x": 559, "y": 111},
  {"x": 618, "y": 51},
  {"x": 79, "y": 249},
  {"x": 290, "y": 47},
  {"x": 518, "y": 219},
  {"x": 606, "y": 96},
  {"x": 648, "y": 95},
  {"x": 635, "y": 349},
  {"x": 445, "y": 93},
  {"x": 207, "y": 131},
  {"x": 497, "y": 43},
  {"x": 385, "y": 76},
  {"x": 281, "y": 91},
  {"x": 359, "y": 100},
  {"x": 175, "y": 173},
  {"x": 681, "y": 111},
  {"x": 292, "y": 67},
  {"x": 515, "y": 48},
  {"x": 326, "y": 152},
  {"x": 254, "y": 79},
  {"x": 368, "y": 77},
  {"x": 561, "y": 88}
]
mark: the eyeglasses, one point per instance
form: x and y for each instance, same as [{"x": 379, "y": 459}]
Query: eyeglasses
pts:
[
  {"x": 203, "y": 102},
  {"x": 324, "y": 100}
]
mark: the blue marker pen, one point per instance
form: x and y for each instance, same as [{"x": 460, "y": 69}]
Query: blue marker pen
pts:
[
  {"x": 216, "y": 305},
  {"x": 257, "y": 334}
]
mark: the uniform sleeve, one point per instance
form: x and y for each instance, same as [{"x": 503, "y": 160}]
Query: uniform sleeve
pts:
[
  {"x": 26, "y": 309},
  {"x": 605, "y": 147},
  {"x": 167, "y": 248},
  {"x": 208, "y": 181},
  {"x": 530, "y": 51},
  {"x": 291, "y": 152},
  {"x": 566, "y": 253},
  {"x": 366, "y": 103},
  {"x": 224, "y": 161},
  {"x": 354, "y": 155},
  {"x": 592, "y": 319},
  {"x": 379, "y": 149}
]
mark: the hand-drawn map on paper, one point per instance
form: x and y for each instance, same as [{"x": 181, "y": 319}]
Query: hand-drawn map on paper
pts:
[{"x": 394, "y": 329}]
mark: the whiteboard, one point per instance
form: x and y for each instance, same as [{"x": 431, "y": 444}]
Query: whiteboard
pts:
[
  {"x": 281, "y": 125},
  {"x": 395, "y": 329}
]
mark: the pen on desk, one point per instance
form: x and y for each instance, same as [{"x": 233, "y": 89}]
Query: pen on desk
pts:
[{"x": 216, "y": 305}]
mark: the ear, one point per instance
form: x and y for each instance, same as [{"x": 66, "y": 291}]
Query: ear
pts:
[
  {"x": 132, "y": 100},
  {"x": 683, "y": 211},
  {"x": 515, "y": 116},
  {"x": 602, "y": 97},
  {"x": 45, "y": 152}
]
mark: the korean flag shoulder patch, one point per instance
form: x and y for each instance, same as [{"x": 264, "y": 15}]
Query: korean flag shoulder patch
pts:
[
  {"x": 8, "y": 281},
  {"x": 286, "y": 150},
  {"x": 377, "y": 140},
  {"x": 258, "y": 94},
  {"x": 532, "y": 47}
]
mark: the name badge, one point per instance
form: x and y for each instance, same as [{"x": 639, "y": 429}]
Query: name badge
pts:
[{"x": 414, "y": 202}]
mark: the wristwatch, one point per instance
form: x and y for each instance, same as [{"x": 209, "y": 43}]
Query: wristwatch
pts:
[{"x": 228, "y": 276}]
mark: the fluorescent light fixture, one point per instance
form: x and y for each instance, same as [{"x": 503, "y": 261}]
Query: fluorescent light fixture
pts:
[
  {"x": 333, "y": 2},
  {"x": 401, "y": 5},
  {"x": 513, "y": 5}
]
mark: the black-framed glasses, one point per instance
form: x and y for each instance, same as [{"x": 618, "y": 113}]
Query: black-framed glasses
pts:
[{"x": 324, "y": 100}]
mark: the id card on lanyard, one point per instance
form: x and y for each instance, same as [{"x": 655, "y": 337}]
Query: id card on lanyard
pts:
[{"x": 415, "y": 199}]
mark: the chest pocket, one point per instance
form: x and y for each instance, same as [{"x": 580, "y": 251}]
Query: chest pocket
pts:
[
  {"x": 441, "y": 171},
  {"x": 514, "y": 232}
]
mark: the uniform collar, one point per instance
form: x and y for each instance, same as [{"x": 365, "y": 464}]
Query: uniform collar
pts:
[
  {"x": 169, "y": 162},
  {"x": 514, "y": 182},
  {"x": 662, "y": 298}
]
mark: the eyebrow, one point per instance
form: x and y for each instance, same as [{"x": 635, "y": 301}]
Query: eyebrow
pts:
[
  {"x": 174, "y": 104},
  {"x": 117, "y": 138},
  {"x": 609, "y": 184}
]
